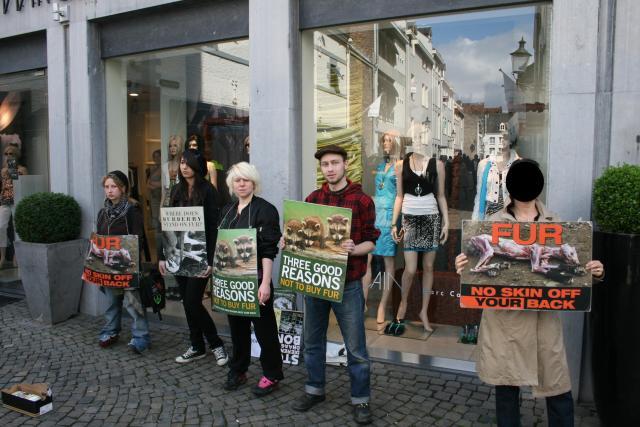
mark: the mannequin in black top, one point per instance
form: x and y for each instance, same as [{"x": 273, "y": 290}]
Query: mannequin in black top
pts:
[{"x": 425, "y": 223}]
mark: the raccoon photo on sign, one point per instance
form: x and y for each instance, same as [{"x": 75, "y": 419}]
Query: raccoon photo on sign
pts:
[
  {"x": 236, "y": 256},
  {"x": 318, "y": 237}
]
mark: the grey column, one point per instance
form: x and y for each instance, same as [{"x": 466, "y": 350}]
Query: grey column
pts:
[
  {"x": 574, "y": 52},
  {"x": 86, "y": 139},
  {"x": 275, "y": 107}
]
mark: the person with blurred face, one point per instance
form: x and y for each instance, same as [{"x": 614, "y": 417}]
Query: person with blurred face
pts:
[
  {"x": 340, "y": 191},
  {"x": 525, "y": 348}
]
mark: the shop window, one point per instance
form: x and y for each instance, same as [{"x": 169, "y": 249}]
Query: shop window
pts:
[
  {"x": 24, "y": 153},
  {"x": 160, "y": 103},
  {"x": 438, "y": 83}
]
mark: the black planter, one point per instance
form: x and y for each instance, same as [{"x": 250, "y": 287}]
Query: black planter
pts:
[{"x": 615, "y": 330}]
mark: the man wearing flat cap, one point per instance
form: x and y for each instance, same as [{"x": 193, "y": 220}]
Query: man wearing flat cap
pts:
[{"x": 341, "y": 192}]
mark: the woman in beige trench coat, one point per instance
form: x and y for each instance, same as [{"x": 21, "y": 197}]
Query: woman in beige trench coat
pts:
[{"x": 525, "y": 348}]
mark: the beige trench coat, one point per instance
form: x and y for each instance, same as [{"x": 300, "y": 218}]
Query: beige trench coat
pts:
[{"x": 523, "y": 348}]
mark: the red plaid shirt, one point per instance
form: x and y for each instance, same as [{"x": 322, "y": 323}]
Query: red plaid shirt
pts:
[{"x": 363, "y": 218}]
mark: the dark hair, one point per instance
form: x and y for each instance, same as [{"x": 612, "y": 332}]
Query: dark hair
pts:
[{"x": 180, "y": 192}]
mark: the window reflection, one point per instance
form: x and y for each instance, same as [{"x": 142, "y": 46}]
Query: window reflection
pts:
[{"x": 471, "y": 90}]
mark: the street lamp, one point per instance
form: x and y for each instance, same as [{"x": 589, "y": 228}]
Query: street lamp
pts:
[{"x": 520, "y": 58}]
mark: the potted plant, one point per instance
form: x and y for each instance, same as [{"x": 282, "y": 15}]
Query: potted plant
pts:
[
  {"x": 615, "y": 313},
  {"x": 50, "y": 255}
]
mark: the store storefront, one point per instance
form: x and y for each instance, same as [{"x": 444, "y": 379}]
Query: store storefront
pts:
[
  {"x": 114, "y": 84},
  {"x": 455, "y": 88},
  {"x": 23, "y": 139}
]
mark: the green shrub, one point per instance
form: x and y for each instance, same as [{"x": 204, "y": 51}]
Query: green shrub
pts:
[
  {"x": 616, "y": 199},
  {"x": 48, "y": 218}
]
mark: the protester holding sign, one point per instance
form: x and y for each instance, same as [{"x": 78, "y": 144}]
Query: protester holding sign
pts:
[
  {"x": 339, "y": 191},
  {"x": 193, "y": 190},
  {"x": 525, "y": 348},
  {"x": 252, "y": 212},
  {"x": 122, "y": 216}
]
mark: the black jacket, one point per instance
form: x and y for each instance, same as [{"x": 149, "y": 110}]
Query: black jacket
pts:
[
  {"x": 131, "y": 223},
  {"x": 262, "y": 216},
  {"x": 211, "y": 212}
]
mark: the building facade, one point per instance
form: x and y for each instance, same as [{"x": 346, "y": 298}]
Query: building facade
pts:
[{"x": 91, "y": 86}]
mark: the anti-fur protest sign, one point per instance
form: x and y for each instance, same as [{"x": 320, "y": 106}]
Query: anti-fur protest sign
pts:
[
  {"x": 290, "y": 325},
  {"x": 112, "y": 261},
  {"x": 313, "y": 261},
  {"x": 235, "y": 273},
  {"x": 184, "y": 241},
  {"x": 526, "y": 265}
]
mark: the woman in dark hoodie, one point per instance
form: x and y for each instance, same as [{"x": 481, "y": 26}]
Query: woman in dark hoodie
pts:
[
  {"x": 193, "y": 190},
  {"x": 121, "y": 216},
  {"x": 251, "y": 211}
]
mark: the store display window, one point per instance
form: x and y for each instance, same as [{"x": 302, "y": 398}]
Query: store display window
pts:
[
  {"x": 160, "y": 103},
  {"x": 438, "y": 106},
  {"x": 24, "y": 154}
]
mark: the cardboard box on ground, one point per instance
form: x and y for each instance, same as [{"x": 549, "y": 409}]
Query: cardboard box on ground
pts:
[{"x": 28, "y": 399}]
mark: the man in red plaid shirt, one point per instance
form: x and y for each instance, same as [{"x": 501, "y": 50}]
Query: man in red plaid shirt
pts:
[{"x": 339, "y": 191}]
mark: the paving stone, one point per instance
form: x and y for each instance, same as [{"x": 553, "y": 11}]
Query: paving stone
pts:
[{"x": 114, "y": 387}]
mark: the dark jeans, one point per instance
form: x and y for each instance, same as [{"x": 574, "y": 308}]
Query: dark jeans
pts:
[
  {"x": 350, "y": 316},
  {"x": 559, "y": 408},
  {"x": 200, "y": 323},
  {"x": 266, "y": 330}
]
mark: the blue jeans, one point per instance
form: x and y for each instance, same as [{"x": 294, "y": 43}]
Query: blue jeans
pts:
[
  {"x": 113, "y": 316},
  {"x": 350, "y": 316}
]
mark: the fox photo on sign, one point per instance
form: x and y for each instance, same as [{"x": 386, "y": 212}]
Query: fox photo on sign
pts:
[
  {"x": 184, "y": 241},
  {"x": 313, "y": 260},
  {"x": 112, "y": 261},
  {"x": 235, "y": 273},
  {"x": 526, "y": 265}
]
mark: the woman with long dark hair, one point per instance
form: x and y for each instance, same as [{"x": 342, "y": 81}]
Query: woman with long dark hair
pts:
[{"x": 193, "y": 190}]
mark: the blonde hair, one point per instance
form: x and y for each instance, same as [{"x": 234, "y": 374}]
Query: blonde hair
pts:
[
  {"x": 394, "y": 141},
  {"x": 246, "y": 171},
  {"x": 180, "y": 142}
]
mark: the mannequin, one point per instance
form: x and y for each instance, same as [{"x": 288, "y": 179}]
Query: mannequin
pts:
[
  {"x": 212, "y": 173},
  {"x": 10, "y": 168},
  {"x": 384, "y": 200},
  {"x": 170, "y": 168},
  {"x": 425, "y": 225},
  {"x": 154, "y": 187},
  {"x": 491, "y": 187}
]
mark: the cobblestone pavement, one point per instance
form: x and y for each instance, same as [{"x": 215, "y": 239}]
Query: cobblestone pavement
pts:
[{"x": 94, "y": 386}]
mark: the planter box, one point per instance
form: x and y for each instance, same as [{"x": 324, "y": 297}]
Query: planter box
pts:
[
  {"x": 51, "y": 278},
  {"x": 615, "y": 329}
]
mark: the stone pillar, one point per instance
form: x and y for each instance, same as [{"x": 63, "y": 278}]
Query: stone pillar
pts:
[{"x": 574, "y": 55}]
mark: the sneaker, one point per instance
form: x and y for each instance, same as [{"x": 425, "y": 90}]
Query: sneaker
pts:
[
  {"x": 221, "y": 355},
  {"x": 234, "y": 381},
  {"x": 362, "y": 413},
  {"x": 190, "y": 355},
  {"x": 265, "y": 386},
  {"x": 307, "y": 402},
  {"x": 107, "y": 340},
  {"x": 137, "y": 348}
]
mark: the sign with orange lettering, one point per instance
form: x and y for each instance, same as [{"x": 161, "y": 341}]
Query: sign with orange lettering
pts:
[
  {"x": 526, "y": 265},
  {"x": 112, "y": 261}
]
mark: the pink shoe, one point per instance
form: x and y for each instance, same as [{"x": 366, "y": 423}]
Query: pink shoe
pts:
[{"x": 265, "y": 386}]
